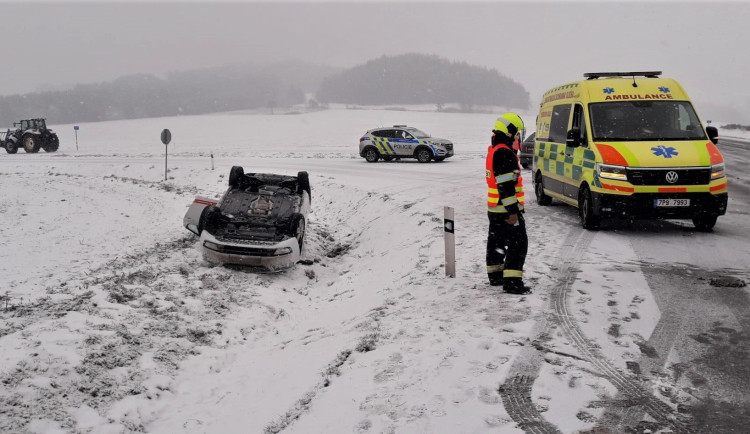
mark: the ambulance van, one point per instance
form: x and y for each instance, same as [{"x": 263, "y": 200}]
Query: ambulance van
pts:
[{"x": 628, "y": 145}]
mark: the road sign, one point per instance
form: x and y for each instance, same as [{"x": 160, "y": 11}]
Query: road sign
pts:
[
  {"x": 166, "y": 136},
  {"x": 75, "y": 127}
]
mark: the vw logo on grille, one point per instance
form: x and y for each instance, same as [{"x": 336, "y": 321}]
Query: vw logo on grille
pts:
[{"x": 672, "y": 177}]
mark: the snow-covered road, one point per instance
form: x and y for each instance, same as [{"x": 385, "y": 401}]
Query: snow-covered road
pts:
[{"x": 115, "y": 324}]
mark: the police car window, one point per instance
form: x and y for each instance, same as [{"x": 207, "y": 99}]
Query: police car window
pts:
[
  {"x": 379, "y": 134},
  {"x": 418, "y": 133},
  {"x": 558, "y": 127}
]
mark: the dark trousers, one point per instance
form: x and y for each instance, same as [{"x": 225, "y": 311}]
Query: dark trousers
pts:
[{"x": 506, "y": 247}]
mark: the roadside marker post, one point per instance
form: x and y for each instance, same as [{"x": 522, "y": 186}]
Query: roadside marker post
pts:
[
  {"x": 166, "y": 137},
  {"x": 75, "y": 128},
  {"x": 450, "y": 243}
]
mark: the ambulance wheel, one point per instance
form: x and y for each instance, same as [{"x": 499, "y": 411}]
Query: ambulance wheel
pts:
[
  {"x": 705, "y": 222},
  {"x": 423, "y": 155},
  {"x": 372, "y": 155},
  {"x": 586, "y": 210},
  {"x": 541, "y": 197}
]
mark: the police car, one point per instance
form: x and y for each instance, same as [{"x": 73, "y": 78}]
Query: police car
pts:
[{"x": 401, "y": 141}]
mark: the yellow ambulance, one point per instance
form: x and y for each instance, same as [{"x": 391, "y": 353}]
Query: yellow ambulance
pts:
[{"x": 628, "y": 145}]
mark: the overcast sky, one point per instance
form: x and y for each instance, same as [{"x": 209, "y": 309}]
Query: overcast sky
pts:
[{"x": 539, "y": 44}]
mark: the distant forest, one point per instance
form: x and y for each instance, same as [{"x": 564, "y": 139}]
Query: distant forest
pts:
[
  {"x": 422, "y": 79},
  {"x": 405, "y": 79}
]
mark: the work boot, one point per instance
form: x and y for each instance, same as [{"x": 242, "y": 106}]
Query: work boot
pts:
[
  {"x": 496, "y": 279},
  {"x": 515, "y": 286}
]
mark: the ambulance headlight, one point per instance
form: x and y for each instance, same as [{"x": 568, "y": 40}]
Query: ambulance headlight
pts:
[
  {"x": 717, "y": 171},
  {"x": 609, "y": 171}
]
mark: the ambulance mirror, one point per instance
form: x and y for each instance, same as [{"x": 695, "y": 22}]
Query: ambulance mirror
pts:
[
  {"x": 713, "y": 134},
  {"x": 573, "y": 139}
]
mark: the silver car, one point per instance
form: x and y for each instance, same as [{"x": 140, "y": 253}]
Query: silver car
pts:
[
  {"x": 260, "y": 220},
  {"x": 401, "y": 141}
]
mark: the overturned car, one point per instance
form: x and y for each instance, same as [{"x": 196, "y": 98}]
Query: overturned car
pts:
[{"x": 260, "y": 220}]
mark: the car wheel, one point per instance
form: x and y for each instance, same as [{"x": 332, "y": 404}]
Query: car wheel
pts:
[
  {"x": 586, "y": 210},
  {"x": 303, "y": 183},
  {"x": 236, "y": 173},
  {"x": 371, "y": 155},
  {"x": 297, "y": 228},
  {"x": 705, "y": 222},
  {"x": 541, "y": 197},
  {"x": 210, "y": 217},
  {"x": 31, "y": 144},
  {"x": 424, "y": 155},
  {"x": 387, "y": 158},
  {"x": 11, "y": 147}
]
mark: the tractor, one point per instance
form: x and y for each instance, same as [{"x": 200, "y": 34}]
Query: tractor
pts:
[{"x": 32, "y": 135}]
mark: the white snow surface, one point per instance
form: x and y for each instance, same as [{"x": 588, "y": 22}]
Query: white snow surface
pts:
[{"x": 112, "y": 321}]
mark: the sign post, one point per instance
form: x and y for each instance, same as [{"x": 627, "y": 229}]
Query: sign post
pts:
[
  {"x": 450, "y": 243},
  {"x": 75, "y": 128},
  {"x": 166, "y": 137}
]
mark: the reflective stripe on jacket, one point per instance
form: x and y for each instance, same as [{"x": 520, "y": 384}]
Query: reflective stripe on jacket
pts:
[{"x": 495, "y": 201}]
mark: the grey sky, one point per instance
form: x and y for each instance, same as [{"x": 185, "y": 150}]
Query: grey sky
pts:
[{"x": 702, "y": 44}]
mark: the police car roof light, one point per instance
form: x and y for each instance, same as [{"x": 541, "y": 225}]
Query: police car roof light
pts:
[
  {"x": 595, "y": 75},
  {"x": 399, "y": 126}
]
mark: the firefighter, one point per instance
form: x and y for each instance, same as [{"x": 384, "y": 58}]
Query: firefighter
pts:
[{"x": 507, "y": 242}]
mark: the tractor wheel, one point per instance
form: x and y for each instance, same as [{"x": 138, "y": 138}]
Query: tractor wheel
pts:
[
  {"x": 11, "y": 147},
  {"x": 31, "y": 144},
  {"x": 52, "y": 145}
]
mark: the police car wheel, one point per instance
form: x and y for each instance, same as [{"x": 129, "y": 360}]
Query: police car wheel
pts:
[
  {"x": 387, "y": 158},
  {"x": 371, "y": 155},
  {"x": 424, "y": 155},
  {"x": 439, "y": 159},
  {"x": 586, "y": 210},
  {"x": 541, "y": 198}
]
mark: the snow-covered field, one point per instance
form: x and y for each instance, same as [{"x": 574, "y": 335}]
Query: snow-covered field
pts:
[{"x": 112, "y": 322}]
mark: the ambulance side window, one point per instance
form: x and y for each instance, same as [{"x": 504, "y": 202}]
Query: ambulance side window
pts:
[
  {"x": 558, "y": 128},
  {"x": 579, "y": 122}
]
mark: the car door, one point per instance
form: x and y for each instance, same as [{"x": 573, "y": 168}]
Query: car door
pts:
[
  {"x": 553, "y": 164},
  {"x": 574, "y": 154},
  {"x": 403, "y": 142}
]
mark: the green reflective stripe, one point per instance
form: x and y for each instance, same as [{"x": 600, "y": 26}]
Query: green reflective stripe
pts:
[
  {"x": 577, "y": 172},
  {"x": 588, "y": 154},
  {"x": 589, "y": 164},
  {"x": 497, "y": 209},
  {"x": 495, "y": 268},
  {"x": 568, "y": 159},
  {"x": 512, "y": 273},
  {"x": 560, "y": 168}
]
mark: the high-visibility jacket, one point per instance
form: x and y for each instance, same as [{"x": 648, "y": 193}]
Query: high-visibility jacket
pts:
[{"x": 504, "y": 190}]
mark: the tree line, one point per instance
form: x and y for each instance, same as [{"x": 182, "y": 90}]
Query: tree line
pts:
[{"x": 405, "y": 79}]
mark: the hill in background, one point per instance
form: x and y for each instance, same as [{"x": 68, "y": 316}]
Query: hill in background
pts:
[{"x": 404, "y": 79}]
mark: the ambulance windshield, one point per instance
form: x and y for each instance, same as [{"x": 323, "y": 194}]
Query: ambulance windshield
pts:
[{"x": 629, "y": 121}]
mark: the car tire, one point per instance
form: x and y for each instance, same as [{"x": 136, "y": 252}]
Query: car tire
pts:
[
  {"x": 541, "y": 197},
  {"x": 372, "y": 155},
  {"x": 303, "y": 183},
  {"x": 705, "y": 223},
  {"x": 236, "y": 173},
  {"x": 423, "y": 155},
  {"x": 11, "y": 147},
  {"x": 387, "y": 158},
  {"x": 209, "y": 218},
  {"x": 589, "y": 221},
  {"x": 297, "y": 228},
  {"x": 30, "y": 144}
]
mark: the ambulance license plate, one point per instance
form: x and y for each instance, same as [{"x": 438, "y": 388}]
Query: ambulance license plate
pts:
[{"x": 671, "y": 202}]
